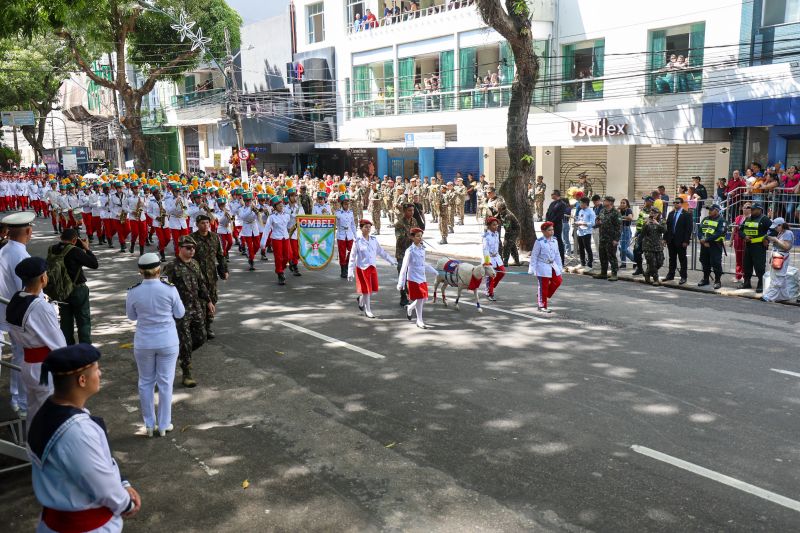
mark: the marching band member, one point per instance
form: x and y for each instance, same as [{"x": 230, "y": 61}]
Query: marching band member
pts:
[
  {"x": 278, "y": 227},
  {"x": 225, "y": 219},
  {"x": 546, "y": 266},
  {"x": 154, "y": 304},
  {"x": 491, "y": 255},
  {"x": 294, "y": 208},
  {"x": 250, "y": 231},
  {"x": 134, "y": 203},
  {"x": 235, "y": 205},
  {"x": 51, "y": 197},
  {"x": 320, "y": 207},
  {"x": 345, "y": 233},
  {"x": 176, "y": 209},
  {"x": 158, "y": 216},
  {"x": 72, "y": 203},
  {"x": 35, "y": 197},
  {"x": 412, "y": 277},
  {"x": 264, "y": 210},
  {"x": 117, "y": 208},
  {"x": 107, "y": 222},
  {"x": 363, "y": 258},
  {"x": 75, "y": 477},
  {"x": 34, "y": 324}
]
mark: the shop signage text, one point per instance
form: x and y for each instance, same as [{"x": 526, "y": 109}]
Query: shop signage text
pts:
[{"x": 601, "y": 129}]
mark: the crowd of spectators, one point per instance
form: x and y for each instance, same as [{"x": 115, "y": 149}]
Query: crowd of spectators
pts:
[{"x": 401, "y": 11}]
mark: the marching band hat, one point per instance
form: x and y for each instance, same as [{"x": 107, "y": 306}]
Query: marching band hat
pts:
[
  {"x": 322, "y": 194},
  {"x": 19, "y": 220},
  {"x": 247, "y": 196},
  {"x": 222, "y": 200},
  {"x": 363, "y": 222},
  {"x": 187, "y": 240},
  {"x": 547, "y": 225},
  {"x": 291, "y": 190},
  {"x": 69, "y": 360},
  {"x": 148, "y": 261},
  {"x": 344, "y": 198},
  {"x": 489, "y": 220},
  {"x": 201, "y": 218},
  {"x": 30, "y": 268},
  {"x": 414, "y": 231},
  {"x": 276, "y": 200}
]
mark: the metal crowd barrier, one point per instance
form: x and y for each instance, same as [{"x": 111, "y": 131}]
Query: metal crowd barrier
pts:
[{"x": 14, "y": 448}]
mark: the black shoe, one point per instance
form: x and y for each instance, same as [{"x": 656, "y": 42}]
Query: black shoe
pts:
[
  {"x": 163, "y": 257},
  {"x": 703, "y": 283},
  {"x": 133, "y": 245},
  {"x": 269, "y": 249},
  {"x": 409, "y": 313},
  {"x": 111, "y": 244},
  {"x": 358, "y": 302},
  {"x": 717, "y": 285},
  {"x": 344, "y": 272},
  {"x": 760, "y": 286},
  {"x": 682, "y": 281},
  {"x": 90, "y": 238},
  {"x": 122, "y": 248},
  {"x": 746, "y": 285},
  {"x": 281, "y": 279},
  {"x": 637, "y": 271},
  {"x": 141, "y": 250},
  {"x": 252, "y": 266},
  {"x": 669, "y": 278},
  {"x": 210, "y": 335},
  {"x": 296, "y": 271}
]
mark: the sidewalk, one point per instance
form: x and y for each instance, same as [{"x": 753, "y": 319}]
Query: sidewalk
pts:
[{"x": 465, "y": 244}]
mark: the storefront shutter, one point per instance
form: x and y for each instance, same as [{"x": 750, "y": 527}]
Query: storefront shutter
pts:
[
  {"x": 697, "y": 160},
  {"x": 654, "y": 166},
  {"x": 589, "y": 159},
  {"x": 501, "y": 165},
  {"x": 451, "y": 160}
]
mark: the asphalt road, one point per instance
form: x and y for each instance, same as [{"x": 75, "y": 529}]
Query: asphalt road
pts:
[{"x": 625, "y": 410}]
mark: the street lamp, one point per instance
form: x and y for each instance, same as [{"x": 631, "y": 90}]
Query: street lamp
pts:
[
  {"x": 53, "y": 130},
  {"x": 185, "y": 28}
]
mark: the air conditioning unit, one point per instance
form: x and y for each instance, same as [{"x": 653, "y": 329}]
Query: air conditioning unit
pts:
[{"x": 373, "y": 135}]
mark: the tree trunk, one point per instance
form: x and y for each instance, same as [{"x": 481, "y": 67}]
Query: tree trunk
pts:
[
  {"x": 35, "y": 134},
  {"x": 132, "y": 122},
  {"x": 514, "y": 23}
]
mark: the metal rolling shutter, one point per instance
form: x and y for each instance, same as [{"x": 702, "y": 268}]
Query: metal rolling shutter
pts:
[
  {"x": 654, "y": 166},
  {"x": 451, "y": 160},
  {"x": 697, "y": 160},
  {"x": 589, "y": 159},
  {"x": 501, "y": 165}
]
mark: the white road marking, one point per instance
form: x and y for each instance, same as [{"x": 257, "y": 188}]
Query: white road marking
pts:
[
  {"x": 333, "y": 343},
  {"x": 794, "y": 505},
  {"x": 787, "y": 372},
  {"x": 523, "y": 315}
]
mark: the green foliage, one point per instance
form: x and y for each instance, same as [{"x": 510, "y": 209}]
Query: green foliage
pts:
[
  {"x": 521, "y": 8},
  {"x": 527, "y": 159},
  {"x": 32, "y": 73},
  {"x": 7, "y": 153}
]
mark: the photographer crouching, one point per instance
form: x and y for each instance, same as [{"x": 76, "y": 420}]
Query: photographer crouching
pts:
[{"x": 67, "y": 284}]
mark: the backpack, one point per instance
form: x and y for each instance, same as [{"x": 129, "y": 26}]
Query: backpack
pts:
[{"x": 59, "y": 284}]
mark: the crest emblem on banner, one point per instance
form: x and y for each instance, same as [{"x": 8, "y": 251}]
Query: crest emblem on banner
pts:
[{"x": 316, "y": 239}]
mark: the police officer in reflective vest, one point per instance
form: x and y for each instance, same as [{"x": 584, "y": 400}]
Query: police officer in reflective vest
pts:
[
  {"x": 753, "y": 230},
  {"x": 711, "y": 233}
]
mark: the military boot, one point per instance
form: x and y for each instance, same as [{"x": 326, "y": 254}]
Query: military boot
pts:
[
  {"x": 601, "y": 275},
  {"x": 296, "y": 271},
  {"x": 703, "y": 282},
  {"x": 717, "y": 283},
  {"x": 344, "y": 272},
  {"x": 443, "y": 241},
  {"x": 252, "y": 266},
  {"x": 647, "y": 279},
  {"x": 404, "y": 298},
  {"x": 188, "y": 381},
  {"x": 656, "y": 281},
  {"x": 141, "y": 250},
  {"x": 133, "y": 245},
  {"x": 162, "y": 256},
  {"x": 281, "y": 279},
  {"x": 613, "y": 277},
  {"x": 637, "y": 271},
  {"x": 760, "y": 286}
]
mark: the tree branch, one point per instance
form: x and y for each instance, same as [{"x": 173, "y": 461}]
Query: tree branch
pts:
[
  {"x": 155, "y": 74},
  {"x": 493, "y": 14},
  {"x": 85, "y": 67}
]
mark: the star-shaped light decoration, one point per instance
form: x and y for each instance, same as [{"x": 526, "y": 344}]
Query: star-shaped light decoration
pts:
[
  {"x": 184, "y": 26},
  {"x": 199, "y": 41}
]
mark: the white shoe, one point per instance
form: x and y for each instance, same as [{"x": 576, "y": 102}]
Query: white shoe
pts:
[
  {"x": 163, "y": 432},
  {"x": 544, "y": 310},
  {"x": 368, "y": 314},
  {"x": 149, "y": 431},
  {"x": 422, "y": 325}
]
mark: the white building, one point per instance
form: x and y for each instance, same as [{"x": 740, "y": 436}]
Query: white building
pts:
[{"x": 600, "y": 64}]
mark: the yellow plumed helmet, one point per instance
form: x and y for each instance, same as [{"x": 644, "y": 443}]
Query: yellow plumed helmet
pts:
[
  {"x": 289, "y": 183},
  {"x": 246, "y": 186},
  {"x": 342, "y": 187},
  {"x": 270, "y": 190},
  {"x": 236, "y": 181},
  {"x": 183, "y": 181},
  {"x": 224, "y": 192},
  {"x": 191, "y": 188},
  {"x": 259, "y": 188},
  {"x": 216, "y": 183},
  {"x": 134, "y": 176}
]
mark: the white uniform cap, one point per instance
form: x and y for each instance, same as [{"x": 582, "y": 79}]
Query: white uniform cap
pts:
[
  {"x": 149, "y": 260},
  {"x": 19, "y": 220}
]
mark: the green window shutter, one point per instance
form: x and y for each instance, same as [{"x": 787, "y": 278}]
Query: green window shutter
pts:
[
  {"x": 466, "y": 65},
  {"x": 406, "y": 78},
  {"x": 388, "y": 79},
  {"x": 697, "y": 39},
  {"x": 447, "y": 76},
  {"x": 568, "y": 72},
  {"x": 506, "y": 63},
  {"x": 598, "y": 64},
  {"x": 656, "y": 59}
]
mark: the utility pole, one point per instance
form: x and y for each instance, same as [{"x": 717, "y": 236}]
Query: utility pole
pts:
[
  {"x": 16, "y": 145},
  {"x": 117, "y": 124},
  {"x": 233, "y": 100}
]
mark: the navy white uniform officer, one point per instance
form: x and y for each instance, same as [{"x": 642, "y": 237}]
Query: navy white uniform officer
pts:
[
  {"x": 154, "y": 304},
  {"x": 75, "y": 478},
  {"x": 33, "y": 322}
]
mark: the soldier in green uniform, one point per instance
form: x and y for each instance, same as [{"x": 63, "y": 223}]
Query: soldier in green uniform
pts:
[
  {"x": 209, "y": 255},
  {"x": 609, "y": 223},
  {"x": 711, "y": 234},
  {"x": 511, "y": 230},
  {"x": 443, "y": 200},
  {"x": 452, "y": 205},
  {"x": 651, "y": 237},
  {"x": 644, "y": 214},
  {"x": 402, "y": 235},
  {"x": 375, "y": 204},
  {"x": 388, "y": 204},
  {"x": 461, "y": 197},
  {"x": 305, "y": 199},
  {"x": 434, "y": 191},
  {"x": 185, "y": 273}
]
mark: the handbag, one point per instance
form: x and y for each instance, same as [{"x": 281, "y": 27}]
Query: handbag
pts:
[{"x": 777, "y": 260}]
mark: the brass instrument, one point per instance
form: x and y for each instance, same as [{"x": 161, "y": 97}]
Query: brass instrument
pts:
[
  {"x": 137, "y": 213},
  {"x": 123, "y": 215},
  {"x": 162, "y": 214},
  {"x": 209, "y": 212},
  {"x": 180, "y": 202}
]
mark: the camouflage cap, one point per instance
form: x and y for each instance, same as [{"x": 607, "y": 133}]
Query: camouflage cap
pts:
[{"x": 187, "y": 240}]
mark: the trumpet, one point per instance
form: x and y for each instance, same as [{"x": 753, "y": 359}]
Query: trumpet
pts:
[
  {"x": 137, "y": 213},
  {"x": 123, "y": 215},
  {"x": 209, "y": 212},
  {"x": 162, "y": 214},
  {"x": 180, "y": 202}
]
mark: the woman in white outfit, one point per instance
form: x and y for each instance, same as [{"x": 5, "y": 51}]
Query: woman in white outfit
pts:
[
  {"x": 780, "y": 257},
  {"x": 412, "y": 277},
  {"x": 154, "y": 305},
  {"x": 363, "y": 258}
]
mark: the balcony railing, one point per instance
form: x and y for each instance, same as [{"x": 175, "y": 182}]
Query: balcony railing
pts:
[
  {"x": 583, "y": 89},
  {"x": 366, "y": 26},
  {"x": 181, "y": 101},
  {"x": 675, "y": 81}
]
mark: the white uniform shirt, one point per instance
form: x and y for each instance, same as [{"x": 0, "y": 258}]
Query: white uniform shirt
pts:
[
  {"x": 278, "y": 225},
  {"x": 414, "y": 266},
  {"x": 52, "y": 197},
  {"x": 117, "y": 203},
  {"x": 193, "y": 210},
  {"x": 225, "y": 221},
  {"x": 234, "y": 206},
  {"x": 131, "y": 201},
  {"x": 345, "y": 225},
  {"x": 10, "y": 256},
  {"x": 365, "y": 254},
  {"x": 105, "y": 208},
  {"x": 33, "y": 190},
  {"x": 177, "y": 215},
  {"x": 491, "y": 248},
  {"x": 545, "y": 258},
  {"x": 320, "y": 209},
  {"x": 40, "y": 326},
  {"x": 249, "y": 220},
  {"x": 293, "y": 211},
  {"x": 154, "y": 305}
]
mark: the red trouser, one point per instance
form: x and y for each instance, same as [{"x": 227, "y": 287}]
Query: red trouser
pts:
[
  {"x": 294, "y": 251},
  {"x": 495, "y": 281},
  {"x": 176, "y": 236},
  {"x": 267, "y": 242},
  {"x": 252, "y": 245},
  {"x": 121, "y": 230},
  {"x": 45, "y": 208},
  {"x": 163, "y": 238},
  {"x": 138, "y": 231},
  {"x": 236, "y": 230},
  {"x": 280, "y": 250},
  {"x": 344, "y": 250},
  {"x": 53, "y": 220},
  {"x": 107, "y": 227},
  {"x": 547, "y": 288},
  {"x": 62, "y": 221},
  {"x": 23, "y": 202},
  {"x": 71, "y": 222},
  {"x": 89, "y": 222},
  {"x": 227, "y": 242}
]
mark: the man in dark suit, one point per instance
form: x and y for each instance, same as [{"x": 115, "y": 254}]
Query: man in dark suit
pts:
[
  {"x": 555, "y": 214},
  {"x": 679, "y": 233}
]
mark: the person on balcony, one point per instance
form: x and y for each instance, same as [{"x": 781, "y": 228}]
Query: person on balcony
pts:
[
  {"x": 357, "y": 23},
  {"x": 666, "y": 82}
]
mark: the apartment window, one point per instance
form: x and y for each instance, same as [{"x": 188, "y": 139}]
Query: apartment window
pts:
[
  {"x": 355, "y": 7},
  {"x": 316, "y": 23},
  {"x": 583, "y": 65},
  {"x": 675, "y": 61},
  {"x": 780, "y": 12}
]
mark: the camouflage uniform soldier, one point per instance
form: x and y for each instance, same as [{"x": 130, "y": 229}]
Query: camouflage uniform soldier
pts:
[
  {"x": 434, "y": 191},
  {"x": 609, "y": 222},
  {"x": 652, "y": 239},
  {"x": 452, "y": 204},
  {"x": 539, "y": 189},
  {"x": 400, "y": 198},
  {"x": 461, "y": 197},
  {"x": 357, "y": 201},
  {"x": 402, "y": 235},
  {"x": 480, "y": 195},
  {"x": 388, "y": 204},
  {"x": 375, "y": 204},
  {"x": 443, "y": 199},
  {"x": 424, "y": 193},
  {"x": 511, "y": 230},
  {"x": 211, "y": 258},
  {"x": 185, "y": 273}
]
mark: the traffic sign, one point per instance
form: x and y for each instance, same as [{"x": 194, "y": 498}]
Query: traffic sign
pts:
[{"x": 244, "y": 153}]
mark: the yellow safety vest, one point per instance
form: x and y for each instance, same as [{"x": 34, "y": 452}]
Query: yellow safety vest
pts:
[
  {"x": 750, "y": 229},
  {"x": 709, "y": 227}
]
